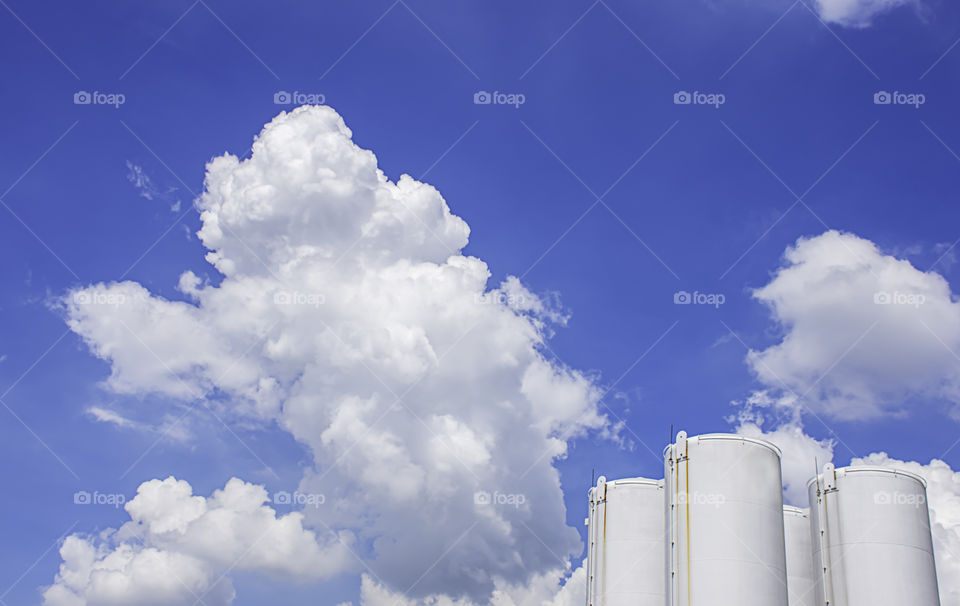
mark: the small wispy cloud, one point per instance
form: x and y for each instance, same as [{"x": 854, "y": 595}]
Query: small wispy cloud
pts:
[
  {"x": 858, "y": 13},
  {"x": 169, "y": 428},
  {"x": 148, "y": 190}
]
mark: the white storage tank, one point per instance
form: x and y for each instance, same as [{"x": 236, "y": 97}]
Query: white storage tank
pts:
[
  {"x": 871, "y": 538},
  {"x": 724, "y": 522},
  {"x": 799, "y": 551},
  {"x": 625, "y": 565}
]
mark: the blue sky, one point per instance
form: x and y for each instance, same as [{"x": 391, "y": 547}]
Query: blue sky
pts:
[{"x": 694, "y": 198}]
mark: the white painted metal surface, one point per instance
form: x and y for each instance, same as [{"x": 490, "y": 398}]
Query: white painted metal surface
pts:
[
  {"x": 871, "y": 538},
  {"x": 799, "y": 551},
  {"x": 725, "y": 522},
  {"x": 625, "y": 558}
]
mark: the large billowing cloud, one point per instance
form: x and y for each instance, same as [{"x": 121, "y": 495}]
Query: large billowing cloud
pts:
[
  {"x": 864, "y": 334},
  {"x": 857, "y": 13},
  {"x": 177, "y": 549},
  {"x": 348, "y": 315}
]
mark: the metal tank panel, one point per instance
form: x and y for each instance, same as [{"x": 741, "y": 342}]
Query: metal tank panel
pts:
[
  {"x": 625, "y": 564},
  {"x": 799, "y": 551},
  {"x": 725, "y": 522},
  {"x": 871, "y": 538}
]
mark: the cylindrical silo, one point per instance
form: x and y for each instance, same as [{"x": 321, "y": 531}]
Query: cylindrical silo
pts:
[
  {"x": 724, "y": 522},
  {"x": 871, "y": 538},
  {"x": 625, "y": 564},
  {"x": 799, "y": 549}
]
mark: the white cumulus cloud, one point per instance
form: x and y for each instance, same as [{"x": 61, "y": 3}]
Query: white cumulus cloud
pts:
[
  {"x": 348, "y": 315},
  {"x": 864, "y": 334},
  {"x": 178, "y": 548}
]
